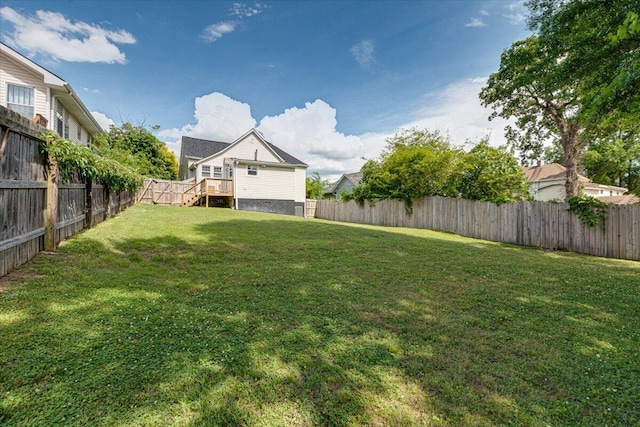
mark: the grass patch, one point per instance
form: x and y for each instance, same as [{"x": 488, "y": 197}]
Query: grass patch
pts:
[{"x": 188, "y": 317}]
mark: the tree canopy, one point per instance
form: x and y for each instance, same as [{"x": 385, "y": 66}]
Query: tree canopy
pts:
[
  {"x": 578, "y": 71},
  {"x": 315, "y": 186},
  {"x": 138, "y": 148},
  {"x": 420, "y": 163}
]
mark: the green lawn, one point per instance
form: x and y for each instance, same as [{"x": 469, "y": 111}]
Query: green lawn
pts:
[{"x": 194, "y": 316}]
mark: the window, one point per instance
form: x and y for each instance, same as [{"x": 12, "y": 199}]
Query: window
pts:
[
  {"x": 230, "y": 173},
  {"x": 79, "y": 134},
  {"x": 252, "y": 170},
  {"x": 206, "y": 171},
  {"x": 21, "y": 100},
  {"x": 217, "y": 171}
]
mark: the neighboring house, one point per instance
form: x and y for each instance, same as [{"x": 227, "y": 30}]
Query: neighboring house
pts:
[
  {"x": 344, "y": 185},
  {"x": 39, "y": 95},
  {"x": 546, "y": 182},
  {"x": 252, "y": 173}
]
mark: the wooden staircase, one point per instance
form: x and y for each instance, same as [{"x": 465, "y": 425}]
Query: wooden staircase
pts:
[
  {"x": 205, "y": 188},
  {"x": 192, "y": 199}
]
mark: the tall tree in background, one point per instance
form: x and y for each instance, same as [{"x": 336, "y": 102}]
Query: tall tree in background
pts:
[
  {"x": 580, "y": 69},
  {"x": 530, "y": 87},
  {"x": 137, "y": 147}
]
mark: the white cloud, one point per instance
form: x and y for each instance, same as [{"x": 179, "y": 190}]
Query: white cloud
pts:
[
  {"x": 475, "y": 23},
  {"x": 52, "y": 34},
  {"x": 218, "y": 117},
  {"x": 364, "y": 54},
  {"x": 215, "y": 31},
  {"x": 457, "y": 111},
  {"x": 240, "y": 11},
  {"x": 245, "y": 11},
  {"x": 516, "y": 12},
  {"x": 310, "y": 132},
  {"x": 103, "y": 120}
]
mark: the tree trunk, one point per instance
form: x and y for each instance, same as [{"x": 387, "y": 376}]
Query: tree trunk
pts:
[{"x": 571, "y": 146}]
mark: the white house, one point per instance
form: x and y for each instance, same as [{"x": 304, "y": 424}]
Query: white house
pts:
[
  {"x": 39, "y": 95},
  {"x": 345, "y": 184},
  {"x": 546, "y": 182},
  {"x": 261, "y": 176}
]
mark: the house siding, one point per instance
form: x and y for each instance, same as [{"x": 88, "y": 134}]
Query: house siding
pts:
[
  {"x": 13, "y": 72},
  {"x": 301, "y": 184},
  {"x": 246, "y": 149},
  {"x": 271, "y": 183}
]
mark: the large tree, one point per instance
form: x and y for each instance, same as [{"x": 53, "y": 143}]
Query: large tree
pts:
[
  {"x": 580, "y": 68},
  {"x": 529, "y": 86},
  {"x": 600, "y": 41}
]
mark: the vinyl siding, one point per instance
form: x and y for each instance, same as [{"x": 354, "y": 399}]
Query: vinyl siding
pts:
[
  {"x": 246, "y": 149},
  {"x": 272, "y": 183},
  {"x": 13, "y": 72},
  {"x": 301, "y": 184}
]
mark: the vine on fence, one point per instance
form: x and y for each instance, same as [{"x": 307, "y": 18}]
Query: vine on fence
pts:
[
  {"x": 589, "y": 209},
  {"x": 76, "y": 158}
]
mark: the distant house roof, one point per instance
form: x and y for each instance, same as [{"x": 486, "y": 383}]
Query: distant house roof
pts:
[
  {"x": 554, "y": 174},
  {"x": 199, "y": 149},
  {"x": 354, "y": 178},
  {"x": 549, "y": 172},
  {"x": 627, "y": 199}
]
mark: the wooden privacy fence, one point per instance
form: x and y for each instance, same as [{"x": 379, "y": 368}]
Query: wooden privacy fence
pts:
[
  {"x": 30, "y": 208},
  {"x": 539, "y": 224},
  {"x": 165, "y": 192}
]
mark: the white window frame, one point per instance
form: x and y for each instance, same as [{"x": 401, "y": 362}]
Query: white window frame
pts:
[
  {"x": 217, "y": 171},
  {"x": 206, "y": 171},
  {"x": 252, "y": 170},
  {"x": 21, "y": 107}
]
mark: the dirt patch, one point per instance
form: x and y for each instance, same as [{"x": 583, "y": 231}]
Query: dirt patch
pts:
[{"x": 17, "y": 277}]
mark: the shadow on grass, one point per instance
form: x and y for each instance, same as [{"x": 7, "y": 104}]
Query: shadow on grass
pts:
[{"x": 286, "y": 322}]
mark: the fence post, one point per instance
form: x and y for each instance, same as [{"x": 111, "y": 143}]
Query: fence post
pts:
[
  {"x": 51, "y": 214},
  {"x": 89, "y": 203},
  {"x": 107, "y": 203}
]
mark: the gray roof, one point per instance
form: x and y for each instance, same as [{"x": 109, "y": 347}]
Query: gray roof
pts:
[
  {"x": 286, "y": 156},
  {"x": 200, "y": 148}
]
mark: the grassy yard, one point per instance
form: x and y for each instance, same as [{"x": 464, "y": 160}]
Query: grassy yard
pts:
[{"x": 189, "y": 317}]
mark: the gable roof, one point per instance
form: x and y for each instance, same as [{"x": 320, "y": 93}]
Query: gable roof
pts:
[
  {"x": 549, "y": 172},
  {"x": 353, "y": 177},
  {"x": 63, "y": 90},
  {"x": 201, "y": 149}
]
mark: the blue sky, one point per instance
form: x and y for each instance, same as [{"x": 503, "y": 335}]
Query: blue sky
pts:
[{"x": 326, "y": 81}]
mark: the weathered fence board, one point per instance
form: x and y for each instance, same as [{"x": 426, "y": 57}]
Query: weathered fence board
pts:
[
  {"x": 23, "y": 195},
  {"x": 538, "y": 224}
]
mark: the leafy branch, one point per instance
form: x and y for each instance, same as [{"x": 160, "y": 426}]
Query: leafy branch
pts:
[
  {"x": 73, "y": 158},
  {"x": 589, "y": 209}
]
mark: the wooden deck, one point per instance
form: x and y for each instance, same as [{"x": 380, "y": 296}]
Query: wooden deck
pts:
[{"x": 206, "y": 188}]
